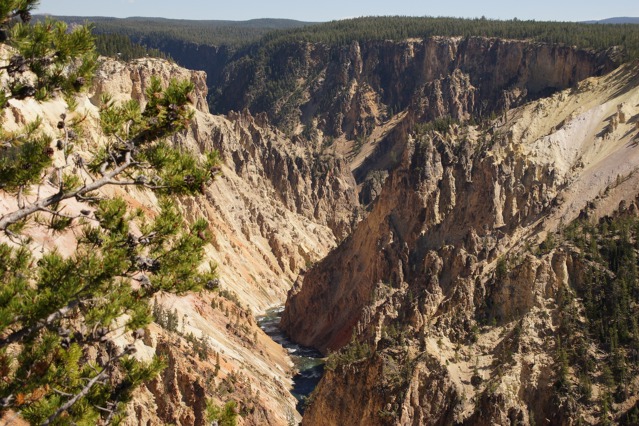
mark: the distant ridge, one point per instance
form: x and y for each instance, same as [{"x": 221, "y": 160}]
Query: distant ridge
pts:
[
  {"x": 151, "y": 31},
  {"x": 274, "y": 23},
  {"x": 617, "y": 20}
]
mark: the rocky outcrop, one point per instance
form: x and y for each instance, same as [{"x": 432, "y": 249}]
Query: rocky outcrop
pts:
[
  {"x": 442, "y": 306},
  {"x": 318, "y": 187},
  {"x": 123, "y": 81},
  {"x": 240, "y": 364},
  {"x": 418, "y": 229}
]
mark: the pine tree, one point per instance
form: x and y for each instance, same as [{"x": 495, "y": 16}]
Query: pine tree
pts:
[{"x": 59, "y": 315}]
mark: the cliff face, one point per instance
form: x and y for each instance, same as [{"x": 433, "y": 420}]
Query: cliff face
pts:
[
  {"x": 441, "y": 329},
  {"x": 351, "y": 90},
  {"x": 277, "y": 206},
  {"x": 444, "y": 303},
  {"x": 417, "y": 222},
  {"x": 273, "y": 210}
]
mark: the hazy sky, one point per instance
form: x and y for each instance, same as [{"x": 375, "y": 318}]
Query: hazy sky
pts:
[{"x": 325, "y": 10}]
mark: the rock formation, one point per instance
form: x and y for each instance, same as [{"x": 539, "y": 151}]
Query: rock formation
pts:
[
  {"x": 350, "y": 90},
  {"x": 448, "y": 301},
  {"x": 273, "y": 210},
  {"x": 443, "y": 311}
]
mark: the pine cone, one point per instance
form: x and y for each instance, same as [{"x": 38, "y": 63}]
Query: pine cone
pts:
[
  {"x": 213, "y": 284},
  {"x": 25, "y": 15},
  {"x": 141, "y": 180},
  {"x": 17, "y": 63},
  {"x": 132, "y": 240},
  {"x": 144, "y": 281}
]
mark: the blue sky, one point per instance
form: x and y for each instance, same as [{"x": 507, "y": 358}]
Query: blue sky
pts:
[{"x": 325, "y": 10}]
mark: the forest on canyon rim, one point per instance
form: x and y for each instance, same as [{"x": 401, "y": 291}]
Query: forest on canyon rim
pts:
[{"x": 447, "y": 207}]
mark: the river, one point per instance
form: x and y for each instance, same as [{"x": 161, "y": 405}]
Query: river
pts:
[{"x": 308, "y": 361}]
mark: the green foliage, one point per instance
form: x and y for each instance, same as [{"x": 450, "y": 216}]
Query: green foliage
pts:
[
  {"x": 137, "y": 373},
  {"x": 61, "y": 58},
  {"x": 166, "y": 113},
  {"x": 24, "y": 156},
  {"x": 399, "y": 28},
  {"x": 611, "y": 287},
  {"x": 353, "y": 352},
  {"x": 501, "y": 270},
  {"x": 225, "y": 416},
  {"x": 441, "y": 125},
  {"x": 102, "y": 265},
  {"x": 159, "y": 32},
  {"x": 609, "y": 292},
  {"x": 121, "y": 47},
  {"x": 179, "y": 171},
  {"x": 231, "y": 296},
  {"x": 60, "y": 314},
  {"x": 165, "y": 318},
  {"x": 178, "y": 259},
  {"x": 10, "y": 9},
  {"x": 548, "y": 244},
  {"x": 168, "y": 108},
  {"x": 199, "y": 345}
]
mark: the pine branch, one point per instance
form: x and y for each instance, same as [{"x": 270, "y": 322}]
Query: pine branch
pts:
[
  {"x": 86, "y": 389},
  {"x": 141, "y": 184},
  {"x": 18, "y": 335},
  {"x": 107, "y": 179},
  {"x": 59, "y": 392},
  {"x": 76, "y": 398},
  {"x": 67, "y": 216}
]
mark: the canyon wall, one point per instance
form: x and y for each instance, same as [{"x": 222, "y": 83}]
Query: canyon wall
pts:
[
  {"x": 351, "y": 89},
  {"x": 273, "y": 210},
  {"x": 416, "y": 291},
  {"x": 447, "y": 303}
]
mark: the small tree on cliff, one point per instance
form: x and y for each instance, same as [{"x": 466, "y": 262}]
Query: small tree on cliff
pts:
[{"x": 59, "y": 316}]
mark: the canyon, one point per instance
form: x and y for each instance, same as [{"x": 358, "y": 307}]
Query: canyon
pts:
[
  {"x": 400, "y": 200},
  {"x": 448, "y": 311},
  {"x": 274, "y": 210}
]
